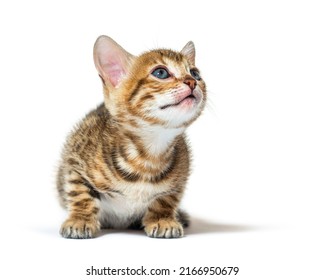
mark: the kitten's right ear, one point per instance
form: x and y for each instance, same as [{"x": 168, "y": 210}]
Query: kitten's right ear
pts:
[{"x": 111, "y": 60}]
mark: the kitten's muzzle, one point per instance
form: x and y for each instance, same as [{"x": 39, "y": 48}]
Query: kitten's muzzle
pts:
[{"x": 188, "y": 94}]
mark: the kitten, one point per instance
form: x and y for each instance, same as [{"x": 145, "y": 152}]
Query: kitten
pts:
[{"x": 127, "y": 162}]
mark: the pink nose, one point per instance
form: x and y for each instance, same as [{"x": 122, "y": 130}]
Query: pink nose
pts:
[{"x": 190, "y": 82}]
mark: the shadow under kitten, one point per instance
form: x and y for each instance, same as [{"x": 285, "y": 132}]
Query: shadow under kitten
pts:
[
  {"x": 193, "y": 226},
  {"x": 200, "y": 226}
]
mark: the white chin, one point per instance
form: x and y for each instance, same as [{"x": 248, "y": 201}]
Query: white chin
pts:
[{"x": 179, "y": 114}]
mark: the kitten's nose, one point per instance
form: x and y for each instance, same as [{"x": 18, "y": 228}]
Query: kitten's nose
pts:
[{"x": 190, "y": 82}]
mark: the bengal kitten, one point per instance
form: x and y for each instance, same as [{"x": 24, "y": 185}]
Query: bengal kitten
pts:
[{"x": 127, "y": 162}]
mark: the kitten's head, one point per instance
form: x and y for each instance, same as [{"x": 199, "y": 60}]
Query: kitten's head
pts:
[{"x": 161, "y": 87}]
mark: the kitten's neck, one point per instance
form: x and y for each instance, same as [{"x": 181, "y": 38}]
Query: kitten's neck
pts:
[
  {"x": 148, "y": 141},
  {"x": 158, "y": 140},
  {"x": 145, "y": 150}
]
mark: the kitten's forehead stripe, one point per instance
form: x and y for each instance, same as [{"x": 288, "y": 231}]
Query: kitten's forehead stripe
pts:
[{"x": 178, "y": 57}]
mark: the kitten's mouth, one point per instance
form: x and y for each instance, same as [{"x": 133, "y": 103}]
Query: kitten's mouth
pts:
[{"x": 187, "y": 98}]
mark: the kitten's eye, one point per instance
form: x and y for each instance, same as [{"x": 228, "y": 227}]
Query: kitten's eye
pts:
[
  {"x": 195, "y": 74},
  {"x": 161, "y": 73}
]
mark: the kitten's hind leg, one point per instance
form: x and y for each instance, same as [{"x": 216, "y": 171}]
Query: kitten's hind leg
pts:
[
  {"x": 161, "y": 221},
  {"x": 82, "y": 203}
]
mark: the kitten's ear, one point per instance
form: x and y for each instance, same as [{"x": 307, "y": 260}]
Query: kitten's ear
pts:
[
  {"x": 111, "y": 60},
  {"x": 189, "y": 51}
]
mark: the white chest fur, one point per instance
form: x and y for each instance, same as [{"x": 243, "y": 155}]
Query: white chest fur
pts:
[{"x": 122, "y": 209}]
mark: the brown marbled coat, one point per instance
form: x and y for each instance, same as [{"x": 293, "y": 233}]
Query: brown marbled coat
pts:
[{"x": 127, "y": 162}]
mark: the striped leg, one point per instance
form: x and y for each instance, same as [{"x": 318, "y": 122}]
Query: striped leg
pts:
[
  {"x": 160, "y": 220},
  {"x": 82, "y": 203}
]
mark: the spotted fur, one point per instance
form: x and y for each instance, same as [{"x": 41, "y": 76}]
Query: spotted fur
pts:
[{"x": 126, "y": 163}]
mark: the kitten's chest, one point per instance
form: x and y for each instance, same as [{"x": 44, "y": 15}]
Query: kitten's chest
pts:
[{"x": 129, "y": 204}]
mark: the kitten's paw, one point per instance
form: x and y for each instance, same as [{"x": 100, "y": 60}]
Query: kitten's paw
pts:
[
  {"x": 79, "y": 229},
  {"x": 164, "y": 229}
]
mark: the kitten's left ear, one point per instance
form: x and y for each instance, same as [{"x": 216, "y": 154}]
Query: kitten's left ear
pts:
[
  {"x": 189, "y": 51},
  {"x": 111, "y": 60}
]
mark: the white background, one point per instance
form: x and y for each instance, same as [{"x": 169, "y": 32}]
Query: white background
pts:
[{"x": 256, "y": 191}]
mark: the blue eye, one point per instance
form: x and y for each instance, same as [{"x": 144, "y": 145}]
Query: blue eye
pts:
[
  {"x": 160, "y": 73},
  {"x": 195, "y": 74}
]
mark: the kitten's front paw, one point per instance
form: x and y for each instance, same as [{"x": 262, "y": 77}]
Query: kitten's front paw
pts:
[
  {"x": 79, "y": 229},
  {"x": 164, "y": 229}
]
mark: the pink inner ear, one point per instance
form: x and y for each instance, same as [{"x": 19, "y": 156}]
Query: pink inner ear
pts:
[
  {"x": 111, "y": 60},
  {"x": 113, "y": 72}
]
